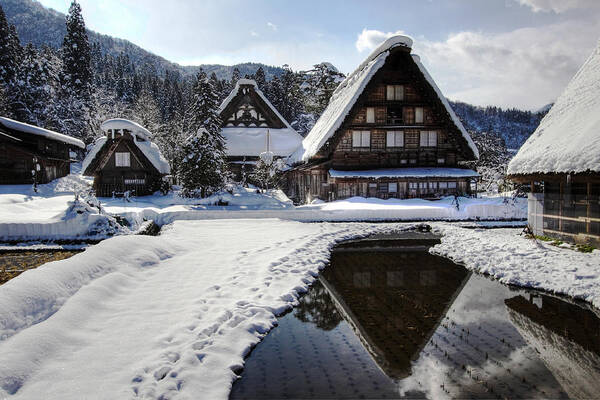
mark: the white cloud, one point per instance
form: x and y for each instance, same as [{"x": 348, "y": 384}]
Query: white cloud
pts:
[
  {"x": 254, "y": 33},
  {"x": 368, "y": 39},
  {"x": 272, "y": 26},
  {"x": 559, "y": 6},
  {"x": 524, "y": 68}
]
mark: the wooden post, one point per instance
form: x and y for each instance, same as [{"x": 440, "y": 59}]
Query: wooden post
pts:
[
  {"x": 560, "y": 206},
  {"x": 588, "y": 224}
]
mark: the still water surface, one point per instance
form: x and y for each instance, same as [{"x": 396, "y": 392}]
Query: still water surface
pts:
[{"x": 389, "y": 320}]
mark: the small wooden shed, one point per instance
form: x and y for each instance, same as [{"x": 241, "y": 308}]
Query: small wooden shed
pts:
[{"x": 124, "y": 160}]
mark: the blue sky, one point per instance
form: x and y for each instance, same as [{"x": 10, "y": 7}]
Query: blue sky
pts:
[{"x": 501, "y": 52}]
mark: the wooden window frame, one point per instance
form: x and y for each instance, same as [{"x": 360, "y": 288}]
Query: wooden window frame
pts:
[
  {"x": 364, "y": 137},
  {"x": 122, "y": 159},
  {"x": 394, "y": 136}
]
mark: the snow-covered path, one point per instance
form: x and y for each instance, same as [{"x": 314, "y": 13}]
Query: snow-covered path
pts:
[{"x": 175, "y": 319}]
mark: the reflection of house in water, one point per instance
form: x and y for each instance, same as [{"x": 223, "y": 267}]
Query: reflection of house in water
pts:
[
  {"x": 394, "y": 300},
  {"x": 567, "y": 338}
]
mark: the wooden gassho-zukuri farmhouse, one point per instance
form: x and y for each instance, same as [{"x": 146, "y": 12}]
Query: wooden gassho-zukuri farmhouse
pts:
[
  {"x": 124, "y": 160},
  {"x": 31, "y": 154},
  {"x": 388, "y": 132},
  {"x": 561, "y": 162},
  {"x": 247, "y": 117}
]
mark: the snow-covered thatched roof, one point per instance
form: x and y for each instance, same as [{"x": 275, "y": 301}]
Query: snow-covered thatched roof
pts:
[
  {"x": 36, "y": 130},
  {"x": 251, "y": 141},
  {"x": 347, "y": 93},
  {"x": 121, "y": 123},
  {"x": 141, "y": 138},
  {"x": 244, "y": 141},
  {"x": 568, "y": 138},
  {"x": 259, "y": 92}
]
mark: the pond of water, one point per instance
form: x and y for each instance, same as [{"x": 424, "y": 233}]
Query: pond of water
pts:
[{"x": 386, "y": 319}]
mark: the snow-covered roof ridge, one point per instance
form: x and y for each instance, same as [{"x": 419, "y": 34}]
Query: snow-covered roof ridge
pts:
[
  {"x": 347, "y": 93},
  {"x": 36, "y": 130},
  {"x": 447, "y": 106},
  {"x": 568, "y": 137},
  {"x": 122, "y": 123},
  {"x": 386, "y": 46},
  {"x": 252, "y": 82}
]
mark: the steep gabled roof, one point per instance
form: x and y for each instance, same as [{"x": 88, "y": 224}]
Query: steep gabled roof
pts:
[
  {"x": 145, "y": 146},
  {"x": 347, "y": 93},
  {"x": 250, "y": 82},
  {"x": 568, "y": 138},
  {"x": 36, "y": 130},
  {"x": 252, "y": 140}
]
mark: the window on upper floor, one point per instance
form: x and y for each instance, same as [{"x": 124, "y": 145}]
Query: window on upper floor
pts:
[
  {"x": 394, "y": 139},
  {"x": 428, "y": 139},
  {"x": 441, "y": 160},
  {"x": 122, "y": 159},
  {"x": 394, "y": 115},
  {"x": 370, "y": 115},
  {"x": 418, "y": 115},
  {"x": 361, "y": 138},
  {"x": 394, "y": 92}
]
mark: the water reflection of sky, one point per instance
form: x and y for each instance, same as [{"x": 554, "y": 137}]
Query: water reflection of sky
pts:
[{"x": 389, "y": 324}]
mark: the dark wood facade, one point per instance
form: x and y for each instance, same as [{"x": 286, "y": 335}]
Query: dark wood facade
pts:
[
  {"x": 138, "y": 178},
  {"x": 22, "y": 152},
  {"x": 403, "y": 124},
  {"x": 565, "y": 206}
]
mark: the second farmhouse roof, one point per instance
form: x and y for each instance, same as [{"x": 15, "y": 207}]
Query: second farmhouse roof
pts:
[
  {"x": 251, "y": 139},
  {"x": 568, "y": 138},
  {"x": 347, "y": 93}
]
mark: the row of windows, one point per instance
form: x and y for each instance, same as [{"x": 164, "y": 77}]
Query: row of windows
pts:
[
  {"x": 392, "y": 187},
  {"x": 396, "y": 115},
  {"x": 394, "y": 138}
]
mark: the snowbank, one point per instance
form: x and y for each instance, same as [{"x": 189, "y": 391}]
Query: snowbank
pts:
[
  {"x": 568, "y": 138},
  {"x": 165, "y": 317},
  {"x": 52, "y": 213},
  {"x": 516, "y": 260}
]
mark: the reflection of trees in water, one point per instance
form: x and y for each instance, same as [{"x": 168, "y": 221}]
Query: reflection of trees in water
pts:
[{"x": 317, "y": 307}]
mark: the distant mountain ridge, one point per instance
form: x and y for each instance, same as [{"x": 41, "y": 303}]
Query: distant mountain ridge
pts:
[{"x": 39, "y": 25}]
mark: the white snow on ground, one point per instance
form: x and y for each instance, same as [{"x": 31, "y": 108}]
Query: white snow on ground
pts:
[
  {"x": 168, "y": 316},
  {"x": 514, "y": 259},
  {"x": 568, "y": 138},
  {"x": 175, "y": 315},
  {"x": 51, "y": 213}
]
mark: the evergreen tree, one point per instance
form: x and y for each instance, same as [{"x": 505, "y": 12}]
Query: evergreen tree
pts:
[
  {"x": 75, "y": 105},
  {"x": 76, "y": 53},
  {"x": 34, "y": 88},
  {"x": 261, "y": 80},
  {"x": 235, "y": 76},
  {"x": 9, "y": 50},
  {"x": 203, "y": 169},
  {"x": 146, "y": 112},
  {"x": 321, "y": 82}
]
